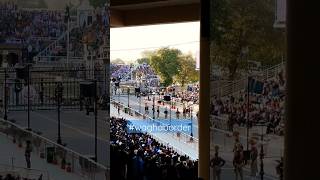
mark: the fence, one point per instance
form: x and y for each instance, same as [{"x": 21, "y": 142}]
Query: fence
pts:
[
  {"x": 39, "y": 87},
  {"x": 237, "y": 86},
  {"x": 53, "y": 153}
]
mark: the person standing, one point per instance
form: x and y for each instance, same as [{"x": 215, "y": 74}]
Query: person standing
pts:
[
  {"x": 166, "y": 113},
  {"x": 27, "y": 154},
  {"x": 217, "y": 163},
  {"x": 254, "y": 162},
  {"x": 238, "y": 162},
  {"x": 158, "y": 111}
]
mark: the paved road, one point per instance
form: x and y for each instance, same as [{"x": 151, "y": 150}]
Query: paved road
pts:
[
  {"x": 134, "y": 103},
  {"x": 77, "y": 130}
]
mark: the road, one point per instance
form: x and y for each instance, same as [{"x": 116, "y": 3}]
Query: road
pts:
[{"x": 77, "y": 129}]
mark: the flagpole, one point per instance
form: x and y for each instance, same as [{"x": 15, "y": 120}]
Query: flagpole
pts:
[{"x": 68, "y": 42}]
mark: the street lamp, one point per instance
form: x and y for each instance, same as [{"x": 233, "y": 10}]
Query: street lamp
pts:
[
  {"x": 170, "y": 112},
  {"x": 5, "y": 117},
  {"x": 244, "y": 53},
  {"x": 28, "y": 79},
  {"x": 95, "y": 122},
  {"x": 59, "y": 95},
  {"x": 191, "y": 134},
  {"x": 261, "y": 151},
  {"x": 153, "y": 110},
  {"x": 139, "y": 102},
  {"x": 128, "y": 91}
]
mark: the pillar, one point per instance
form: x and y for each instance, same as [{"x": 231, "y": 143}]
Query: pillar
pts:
[
  {"x": 204, "y": 107},
  {"x": 301, "y": 160}
]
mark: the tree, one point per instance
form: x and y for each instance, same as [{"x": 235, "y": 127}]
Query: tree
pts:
[
  {"x": 118, "y": 61},
  {"x": 143, "y": 60},
  {"x": 241, "y": 24},
  {"x": 187, "y": 72},
  {"x": 165, "y": 63},
  {"x": 97, "y": 3}
]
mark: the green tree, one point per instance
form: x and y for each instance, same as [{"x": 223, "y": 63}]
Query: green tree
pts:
[
  {"x": 187, "y": 72},
  {"x": 244, "y": 24},
  {"x": 98, "y": 3},
  {"x": 165, "y": 63},
  {"x": 118, "y": 61},
  {"x": 143, "y": 60}
]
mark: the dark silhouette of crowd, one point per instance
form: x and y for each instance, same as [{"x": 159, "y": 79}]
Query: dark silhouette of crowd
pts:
[
  {"x": 19, "y": 26},
  {"x": 137, "y": 156},
  {"x": 14, "y": 177}
]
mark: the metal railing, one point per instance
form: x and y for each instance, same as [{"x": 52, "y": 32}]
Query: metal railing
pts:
[
  {"x": 54, "y": 153},
  {"x": 42, "y": 83},
  {"x": 241, "y": 84}
]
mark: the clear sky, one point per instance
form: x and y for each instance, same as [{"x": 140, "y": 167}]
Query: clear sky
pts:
[{"x": 128, "y": 43}]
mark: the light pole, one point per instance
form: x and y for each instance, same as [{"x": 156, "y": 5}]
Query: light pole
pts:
[
  {"x": 28, "y": 79},
  {"x": 245, "y": 51},
  {"x": 153, "y": 110},
  {"x": 128, "y": 91},
  {"x": 261, "y": 151},
  {"x": 59, "y": 91},
  {"x": 191, "y": 134},
  {"x": 170, "y": 112},
  {"x": 95, "y": 122},
  {"x": 248, "y": 109},
  {"x": 139, "y": 102},
  {"x": 5, "y": 117}
]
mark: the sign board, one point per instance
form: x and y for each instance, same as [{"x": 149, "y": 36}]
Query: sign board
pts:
[{"x": 280, "y": 16}]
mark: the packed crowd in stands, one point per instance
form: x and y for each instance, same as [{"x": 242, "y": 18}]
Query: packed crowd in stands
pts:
[
  {"x": 23, "y": 26},
  {"x": 190, "y": 95},
  {"x": 265, "y": 107},
  {"x": 144, "y": 69},
  {"x": 137, "y": 156},
  {"x": 39, "y": 28},
  {"x": 118, "y": 71},
  {"x": 141, "y": 71}
]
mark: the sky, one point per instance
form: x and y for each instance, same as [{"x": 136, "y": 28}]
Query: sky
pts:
[{"x": 128, "y": 43}]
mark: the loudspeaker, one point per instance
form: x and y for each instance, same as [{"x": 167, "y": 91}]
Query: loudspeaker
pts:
[
  {"x": 87, "y": 89},
  {"x": 137, "y": 90},
  {"x": 22, "y": 73},
  {"x": 167, "y": 98}
]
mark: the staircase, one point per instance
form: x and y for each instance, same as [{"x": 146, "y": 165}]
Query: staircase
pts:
[
  {"x": 47, "y": 57},
  {"x": 237, "y": 86}
]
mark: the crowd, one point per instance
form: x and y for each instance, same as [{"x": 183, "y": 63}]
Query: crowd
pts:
[
  {"x": 267, "y": 107},
  {"x": 190, "y": 95},
  {"x": 137, "y": 156},
  {"x": 23, "y": 26},
  {"x": 120, "y": 71}
]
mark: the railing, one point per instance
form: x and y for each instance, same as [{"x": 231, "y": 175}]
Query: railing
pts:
[
  {"x": 241, "y": 84},
  {"x": 54, "y": 153},
  {"x": 59, "y": 61},
  {"x": 51, "y": 47},
  {"x": 23, "y": 172},
  {"x": 42, "y": 84}
]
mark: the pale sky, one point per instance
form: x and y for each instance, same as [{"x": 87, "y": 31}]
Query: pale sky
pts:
[{"x": 128, "y": 43}]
